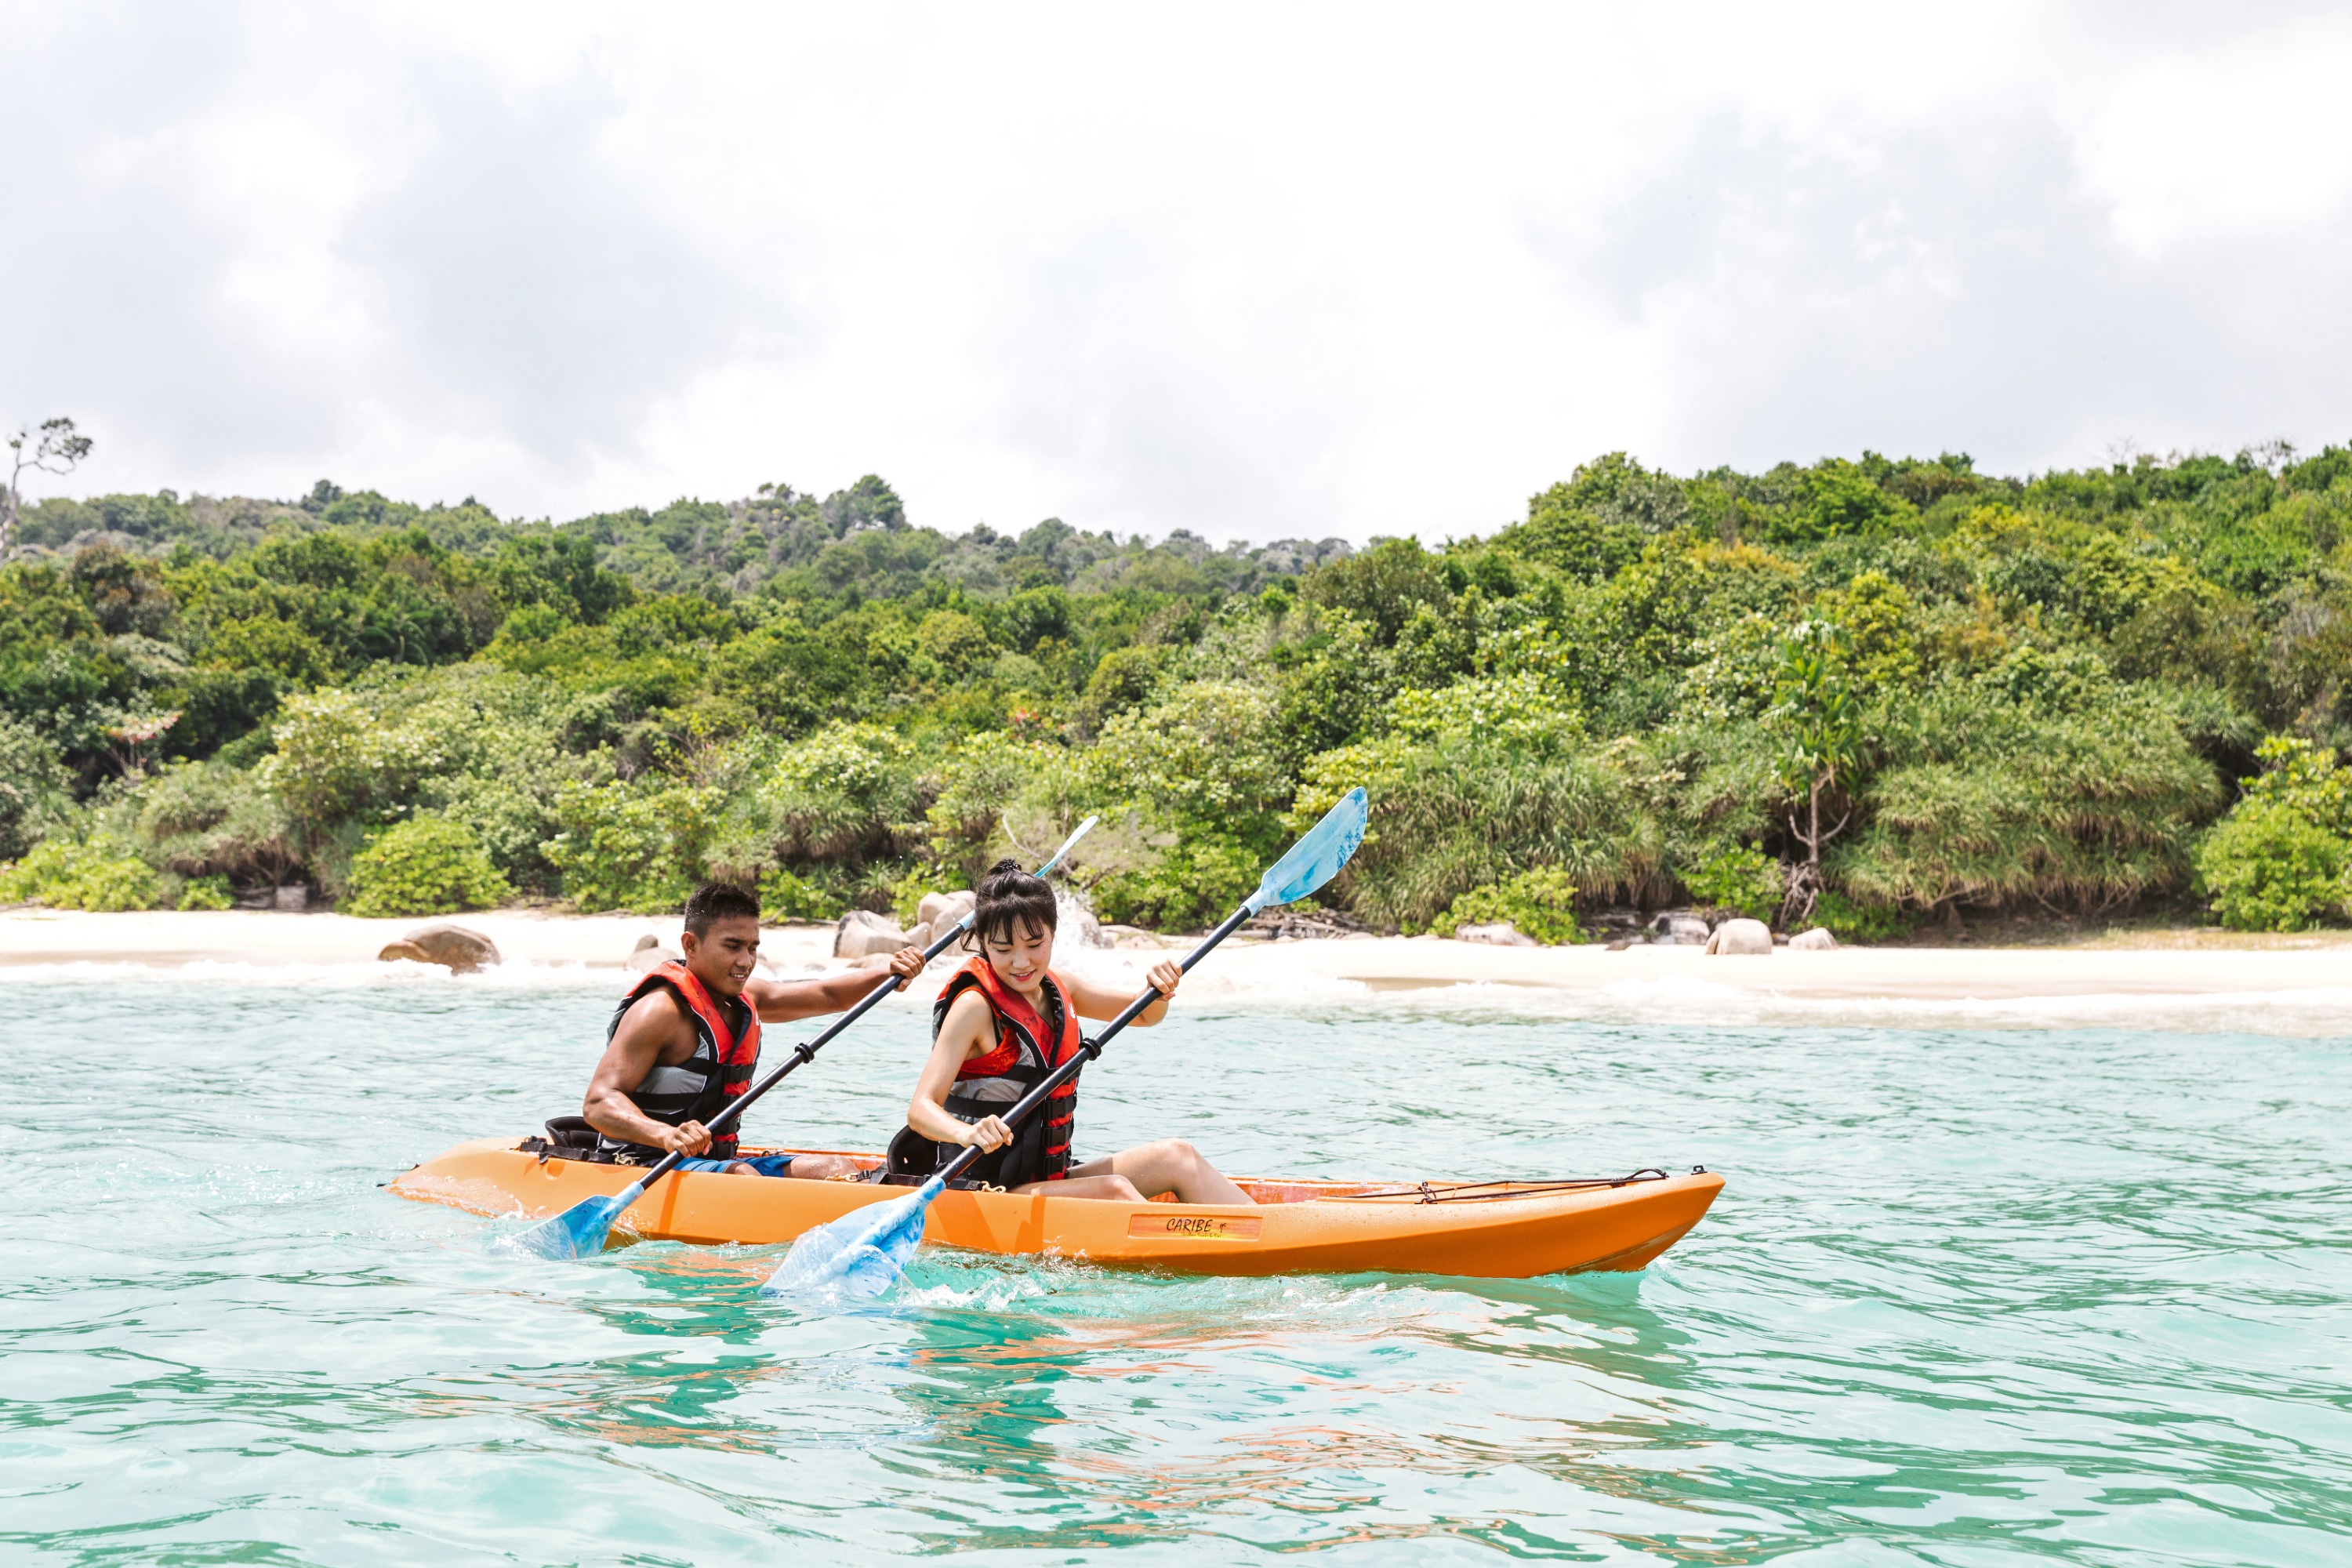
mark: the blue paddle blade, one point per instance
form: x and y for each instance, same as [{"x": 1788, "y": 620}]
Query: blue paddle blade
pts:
[
  {"x": 861, "y": 1253},
  {"x": 578, "y": 1232},
  {"x": 1316, "y": 859}
]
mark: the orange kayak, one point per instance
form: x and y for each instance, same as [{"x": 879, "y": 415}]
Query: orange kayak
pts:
[{"x": 1511, "y": 1229}]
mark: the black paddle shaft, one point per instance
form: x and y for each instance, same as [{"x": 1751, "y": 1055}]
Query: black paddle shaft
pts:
[
  {"x": 802, "y": 1054},
  {"x": 1089, "y": 1049}
]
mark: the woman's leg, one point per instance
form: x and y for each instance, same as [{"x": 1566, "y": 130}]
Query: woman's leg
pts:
[
  {"x": 1170, "y": 1166},
  {"x": 1117, "y": 1189}
]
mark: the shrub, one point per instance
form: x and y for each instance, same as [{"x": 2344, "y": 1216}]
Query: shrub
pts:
[
  {"x": 426, "y": 866},
  {"x": 1208, "y": 753},
  {"x": 206, "y": 893},
  {"x": 786, "y": 895},
  {"x": 101, "y": 872},
  {"x": 1851, "y": 922},
  {"x": 1740, "y": 878},
  {"x": 979, "y": 779},
  {"x": 208, "y": 819},
  {"x": 846, "y": 793},
  {"x": 2268, "y": 867},
  {"x": 628, "y": 846},
  {"x": 1538, "y": 903},
  {"x": 338, "y": 754},
  {"x": 2033, "y": 782},
  {"x": 1458, "y": 815},
  {"x": 956, "y": 640},
  {"x": 1190, "y": 883},
  {"x": 1202, "y": 775},
  {"x": 33, "y": 781},
  {"x": 1123, "y": 679},
  {"x": 2281, "y": 859}
]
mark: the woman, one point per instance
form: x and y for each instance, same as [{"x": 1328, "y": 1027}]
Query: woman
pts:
[{"x": 1005, "y": 1021}]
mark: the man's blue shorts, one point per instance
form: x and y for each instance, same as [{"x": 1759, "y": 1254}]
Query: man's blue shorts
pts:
[{"x": 765, "y": 1164}]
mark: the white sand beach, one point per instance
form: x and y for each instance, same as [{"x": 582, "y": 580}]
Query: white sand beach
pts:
[{"x": 2186, "y": 964}]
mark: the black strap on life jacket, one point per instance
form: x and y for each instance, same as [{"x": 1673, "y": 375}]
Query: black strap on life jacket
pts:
[
  {"x": 726, "y": 1057},
  {"x": 1040, "y": 1148}
]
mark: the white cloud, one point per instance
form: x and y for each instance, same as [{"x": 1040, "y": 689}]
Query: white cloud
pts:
[
  {"x": 1248, "y": 270},
  {"x": 2247, "y": 138}
]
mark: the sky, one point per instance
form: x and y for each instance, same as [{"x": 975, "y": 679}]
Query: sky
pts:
[{"x": 1256, "y": 271}]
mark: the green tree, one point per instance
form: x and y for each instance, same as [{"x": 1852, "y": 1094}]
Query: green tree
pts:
[
  {"x": 2281, "y": 859},
  {"x": 426, "y": 866},
  {"x": 1819, "y": 726},
  {"x": 55, "y": 448}
]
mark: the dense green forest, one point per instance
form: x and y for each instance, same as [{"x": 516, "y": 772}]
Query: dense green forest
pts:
[{"x": 1867, "y": 693}]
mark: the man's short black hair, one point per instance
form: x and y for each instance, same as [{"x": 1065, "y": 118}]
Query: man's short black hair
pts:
[
  {"x": 718, "y": 901},
  {"x": 1010, "y": 896}
]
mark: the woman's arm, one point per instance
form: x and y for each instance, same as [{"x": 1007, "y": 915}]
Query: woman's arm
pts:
[
  {"x": 1097, "y": 1002},
  {"x": 968, "y": 1033}
]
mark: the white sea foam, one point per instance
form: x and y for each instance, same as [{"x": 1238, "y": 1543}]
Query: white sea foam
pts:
[
  {"x": 517, "y": 974},
  {"x": 1685, "y": 999},
  {"x": 1667, "y": 999}
]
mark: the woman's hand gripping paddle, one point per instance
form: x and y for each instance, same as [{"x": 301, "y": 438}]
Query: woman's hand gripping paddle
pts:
[
  {"x": 865, "y": 1251},
  {"x": 581, "y": 1228}
]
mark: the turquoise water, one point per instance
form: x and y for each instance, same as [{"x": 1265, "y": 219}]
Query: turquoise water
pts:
[{"x": 1978, "y": 1291}]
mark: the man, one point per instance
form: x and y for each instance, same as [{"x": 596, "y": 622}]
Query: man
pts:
[{"x": 686, "y": 1040}]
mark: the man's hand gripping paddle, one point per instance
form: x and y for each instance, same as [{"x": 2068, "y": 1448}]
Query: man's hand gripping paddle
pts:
[
  {"x": 581, "y": 1228},
  {"x": 865, "y": 1251}
]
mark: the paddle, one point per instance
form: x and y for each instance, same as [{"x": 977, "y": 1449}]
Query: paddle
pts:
[
  {"x": 581, "y": 1229},
  {"x": 865, "y": 1251}
]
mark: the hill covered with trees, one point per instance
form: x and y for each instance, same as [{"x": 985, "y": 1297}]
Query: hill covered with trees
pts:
[{"x": 1870, "y": 693}]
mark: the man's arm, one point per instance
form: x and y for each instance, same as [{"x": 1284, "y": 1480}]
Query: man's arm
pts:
[
  {"x": 649, "y": 1026},
  {"x": 782, "y": 1001}
]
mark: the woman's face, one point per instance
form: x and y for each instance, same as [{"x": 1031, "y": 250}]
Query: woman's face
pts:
[{"x": 1019, "y": 956}]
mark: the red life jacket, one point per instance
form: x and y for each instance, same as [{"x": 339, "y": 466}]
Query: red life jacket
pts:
[
  {"x": 722, "y": 1067},
  {"x": 1028, "y": 1047}
]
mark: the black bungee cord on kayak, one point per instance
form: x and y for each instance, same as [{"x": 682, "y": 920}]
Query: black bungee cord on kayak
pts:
[{"x": 1508, "y": 1187}]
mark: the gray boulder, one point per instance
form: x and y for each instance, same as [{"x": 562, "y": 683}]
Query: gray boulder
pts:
[
  {"x": 1741, "y": 937},
  {"x": 649, "y": 956},
  {"x": 940, "y": 910},
  {"x": 1076, "y": 930},
  {"x": 1817, "y": 940},
  {"x": 453, "y": 947},
  {"x": 862, "y": 933},
  {"x": 1502, "y": 933},
  {"x": 1677, "y": 929}
]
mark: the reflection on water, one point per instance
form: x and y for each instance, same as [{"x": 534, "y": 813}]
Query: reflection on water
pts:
[{"x": 1973, "y": 1294}]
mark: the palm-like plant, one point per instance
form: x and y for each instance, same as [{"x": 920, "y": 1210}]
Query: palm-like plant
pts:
[{"x": 1820, "y": 726}]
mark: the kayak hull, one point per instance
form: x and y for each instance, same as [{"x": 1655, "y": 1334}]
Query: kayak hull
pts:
[{"x": 1513, "y": 1230}]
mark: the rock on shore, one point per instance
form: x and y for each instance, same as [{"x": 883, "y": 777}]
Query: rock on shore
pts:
[{"x": 453, "y": 947}]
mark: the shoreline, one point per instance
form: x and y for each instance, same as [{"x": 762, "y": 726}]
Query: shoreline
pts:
[{"x": 2140, "y": 964}]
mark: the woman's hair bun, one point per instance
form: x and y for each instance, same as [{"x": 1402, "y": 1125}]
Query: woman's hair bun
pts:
[{"x": 1010, "y": 896}]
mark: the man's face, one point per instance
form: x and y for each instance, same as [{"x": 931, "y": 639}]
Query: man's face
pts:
[{"x": 723, "y": 955}]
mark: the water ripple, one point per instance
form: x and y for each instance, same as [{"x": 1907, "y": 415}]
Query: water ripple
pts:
[{"x": 1980, "y": 1290}]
